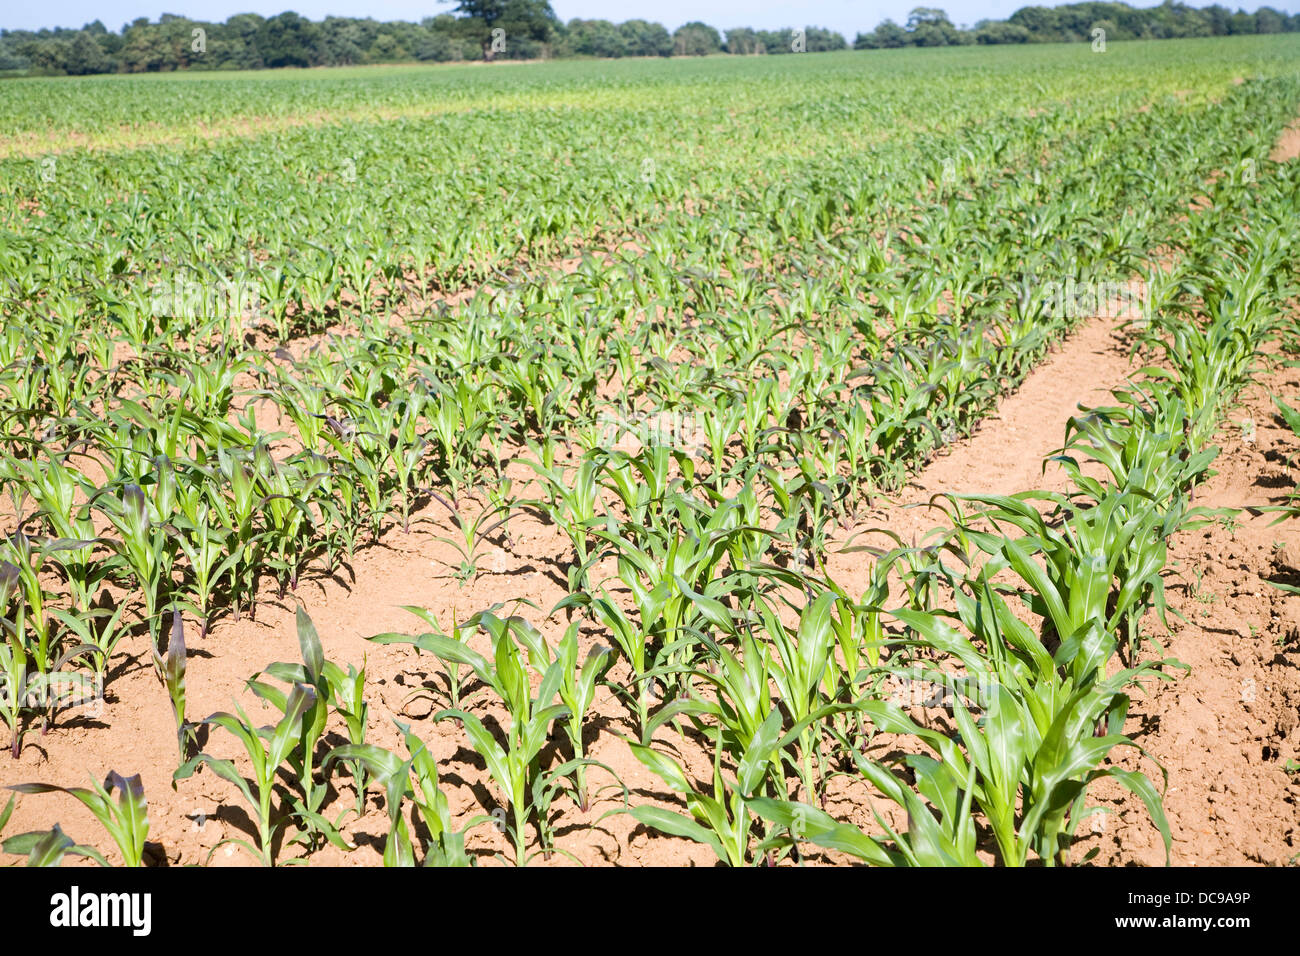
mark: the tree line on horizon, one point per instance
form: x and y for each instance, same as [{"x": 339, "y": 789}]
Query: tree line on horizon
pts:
[{"x": 529, "y": 29}]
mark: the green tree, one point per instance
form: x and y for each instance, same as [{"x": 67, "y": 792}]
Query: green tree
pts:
[
  {"x": 344, "y": 39},
  {"x": 890, "y": 35},
  {"x": 993, "y": 31},
  {"x": 595, "y": 38},
  {"x": 1268, "y": 20},
  {"x": 146, "y": 49},
  {"x": 290, "y": 40},
  {"x": 1240, "y": 23},
  {"x": 524, "y": 23},
  {"x": 743, "y": 41},
  {"x": 927, "y": 16},
  {"x": 1041, "y": 22},
  {"x": 45, "y": 56},
  {"x": 386, "y": 49},
  {"x": 696, "y": 39},
  {"x": 10, "y": 58},
  {"x": 821, "y": 40},
  {"x": 438, "y": 47},
  {"x": 86, "y": 56},
  {"x": 646, "y": 39},
  {"x": 236, "y": 42},
  {"x": 1218, "y": 17}
]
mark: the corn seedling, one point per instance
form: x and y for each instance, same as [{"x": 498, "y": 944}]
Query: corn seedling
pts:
[
  {"x": 473, "y": 531},
  {"x": 414, "y": 779},
  {"x": 173, "y": 670},
  {"x": 514, "y": 765},
  {"x": 127, "y": 820},
  {"x": 267, "y": 749}
]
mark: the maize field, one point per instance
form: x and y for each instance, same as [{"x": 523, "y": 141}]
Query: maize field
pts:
[{"x": 543, "y": 464}]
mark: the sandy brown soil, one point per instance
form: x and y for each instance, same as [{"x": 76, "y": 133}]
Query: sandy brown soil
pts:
[
  {"x": 1288, "y": 145},
  {"x": 1225, "y": 731},
  {"x": 1006, "y": 453}
]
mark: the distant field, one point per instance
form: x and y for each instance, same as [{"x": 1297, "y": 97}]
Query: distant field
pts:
[
  {"x": 624, "y": 372},
  {"x": 116, "y": 111}
]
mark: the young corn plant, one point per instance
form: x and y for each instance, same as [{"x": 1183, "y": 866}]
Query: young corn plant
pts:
[
  {"x": 32, "y": 626},
  {"x": 1291, "y": 417},
  {"x": 447, "y": 648},
  {"x": 127, "y": 820},
  {"x": 173, "y": 670},
  {"x": 1036, "y": 748},
  {"x": 363, "y": 451},
  {"x": 720, "y": 819},
  {"x": 100, "y": 629},
  {"x": 408, "y": 451},
  {"x": 515, "y": 765},
  {"x": 638, "y": 481},
  {"x": 573, "y": 509},
  {"x": 267, "y": 749},
  {"x": 286, "y": 489},
  {"x": 1102, "y": 565},
  {"x": 577, "y": 688},
  {"x": 804, "y": 823},
  {"x": 458, "y": 418},
  {"x": 328, "y": 683},
  {"x": 48, "y": 847},
  {"x": 202, "y": 540},
  {"x": 350, "y": 704},
  {"x": 235, "y": 505},
  {"x": 13, "y": 657},
  {"x": 415, "y": 779},
  {"x": 55, "y": 488},
  {"x": 634, "y": 643},
  {"x": 664, "y": 567},
  {"x": 34, "y": 655},
  {"x": 143, "y": 547},
  {"x": 801, "y": 660},
  {"x": 1030, "y": 787},
  {"x": 473, "y": 532},
  {"x": 1142, "y": 443},
  {"x": 577, "y": 692}
]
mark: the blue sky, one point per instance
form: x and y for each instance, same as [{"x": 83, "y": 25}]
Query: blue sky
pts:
[{"x": 846, "y": 16}]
